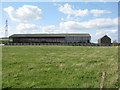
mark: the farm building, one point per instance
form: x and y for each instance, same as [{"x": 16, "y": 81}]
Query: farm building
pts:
[
  {"x": 104, "y": 40},
  {"x": 50, "y": 38}
]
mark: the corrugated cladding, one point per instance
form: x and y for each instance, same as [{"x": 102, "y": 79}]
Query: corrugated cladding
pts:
[{"x": 48, "y": 35}]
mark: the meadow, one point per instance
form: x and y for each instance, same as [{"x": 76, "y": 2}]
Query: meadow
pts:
[{"x": 59, "y": 66}]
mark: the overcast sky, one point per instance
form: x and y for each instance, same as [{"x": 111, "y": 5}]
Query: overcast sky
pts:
[{"x": 96, "y": 18}]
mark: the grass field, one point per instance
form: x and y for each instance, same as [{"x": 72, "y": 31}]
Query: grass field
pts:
[{"x": 59, "y": 66}]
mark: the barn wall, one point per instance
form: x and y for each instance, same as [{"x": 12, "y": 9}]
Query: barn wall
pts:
[
  {"x": 106, "y": 40},
  {"x": 51, "y": 39}
]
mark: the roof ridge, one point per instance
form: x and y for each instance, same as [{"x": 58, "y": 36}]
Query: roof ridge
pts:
[{"x": 36, "y": 35}]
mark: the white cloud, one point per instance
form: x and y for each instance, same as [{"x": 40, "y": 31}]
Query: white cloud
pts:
[
  {"x": 32, "y": 29},
  {"x": 62, "y": 19},
  {"x": 24, "y": 13},
  {"x": 99, "y": 12},
  {"x": 70, "y": 26},
  {"x": 48, "y": 29},
  {"x": 89, "y": 25},
  {"x": 81, "y": 27},
  {"x": 112, "y": 33},
  {"x": 69, "y": 10},
  {"x": 27, "y": 28},
  {"x": 106, "y": 32},
  {"x": 66, "y": 9}
]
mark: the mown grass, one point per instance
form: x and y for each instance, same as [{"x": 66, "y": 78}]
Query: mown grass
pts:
[{"x": 59, "y": 66}]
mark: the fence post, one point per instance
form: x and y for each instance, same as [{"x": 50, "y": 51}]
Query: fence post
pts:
[{"x": 103, "y": 80}]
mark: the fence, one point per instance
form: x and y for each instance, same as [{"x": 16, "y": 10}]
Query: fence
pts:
[{"x": 60, "y": 44}]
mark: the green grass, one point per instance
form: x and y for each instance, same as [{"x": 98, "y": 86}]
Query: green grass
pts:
[{"x": 59, "y": 66}]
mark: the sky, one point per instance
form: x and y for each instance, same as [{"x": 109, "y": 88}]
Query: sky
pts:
[{"x": 96, "y": 18}]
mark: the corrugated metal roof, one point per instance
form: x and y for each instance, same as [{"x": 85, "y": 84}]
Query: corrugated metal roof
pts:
[{"x": 48, "y": 35}]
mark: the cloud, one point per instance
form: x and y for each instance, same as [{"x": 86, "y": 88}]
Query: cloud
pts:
[
  {"x": 62, "y": 19},
  {"x": 71, "y": 26},
  {"x": 69, "y": 10},
  {"x": 89, "y": 25},
  {"x": 106, "y": 32},
  {"x": 48, "y": 29},
  {"x": 112, "y": 33},
  {"x": 27, "y": 28},
  {"x": 24, "y": 13},
  {"x": 96, "y": 12},
  {"x": 81, "y": 27}
]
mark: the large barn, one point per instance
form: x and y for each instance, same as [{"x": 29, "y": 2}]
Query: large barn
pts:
[{"x": 50, "y": 38}]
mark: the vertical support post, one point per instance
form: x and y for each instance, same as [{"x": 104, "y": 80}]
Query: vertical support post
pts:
[{"x": 103, "y": 80}]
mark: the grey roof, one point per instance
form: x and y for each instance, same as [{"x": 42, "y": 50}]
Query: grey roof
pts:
[
  {"x": 103, "y": 37},
  {"x": 48, "y": 35}
]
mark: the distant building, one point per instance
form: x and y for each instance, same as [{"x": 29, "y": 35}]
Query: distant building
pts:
[
  {"x": 50, "y": 38},
  {"x": 104, "y": 40}
]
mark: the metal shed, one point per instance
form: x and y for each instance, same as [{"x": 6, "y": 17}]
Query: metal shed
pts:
[{"x": 50, "y": 38}]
